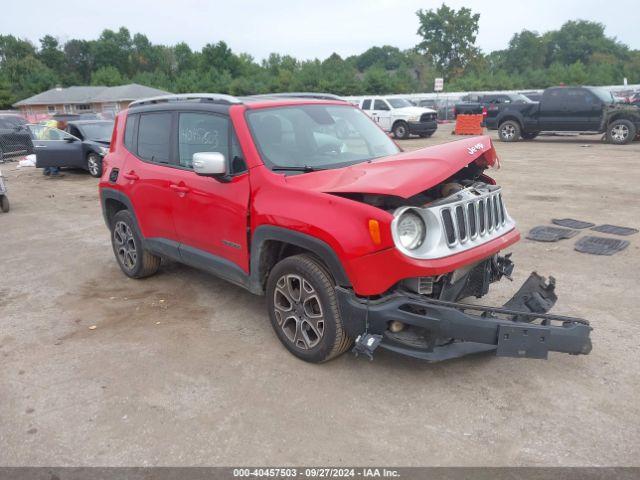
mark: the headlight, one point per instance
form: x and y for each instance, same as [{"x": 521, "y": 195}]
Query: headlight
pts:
[
  {"x": 415, "y": 118},
  {"x": 410, "y": 230},
  {"x": 104, "y": 151}
]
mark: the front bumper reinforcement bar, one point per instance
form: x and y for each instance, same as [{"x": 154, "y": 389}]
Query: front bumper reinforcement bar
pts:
[{"x": 438, "y": 330}]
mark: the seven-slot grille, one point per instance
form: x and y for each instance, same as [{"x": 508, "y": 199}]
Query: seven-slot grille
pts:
[
  {"x": 476, "y": 218},
  {"x": 427, "y": 117}
]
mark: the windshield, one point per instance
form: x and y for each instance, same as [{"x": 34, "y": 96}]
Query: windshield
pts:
[
  {"x": 399, "y": 102},
  {"x": 96, "y": 131},
  {"x": 317, "y": 136},
  {"x": 602, "y": 94}
]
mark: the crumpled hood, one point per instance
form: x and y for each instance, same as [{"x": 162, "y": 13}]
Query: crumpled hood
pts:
[{"x": 402, "y": 175}]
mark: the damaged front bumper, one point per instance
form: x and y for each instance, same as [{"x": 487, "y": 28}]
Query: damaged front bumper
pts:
[{"x": 437, "y": 330}]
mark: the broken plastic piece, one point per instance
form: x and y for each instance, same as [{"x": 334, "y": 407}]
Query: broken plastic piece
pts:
[
  {"x": 615, "y": 230},
  {"x": 572, "y": 223},
  {"x": 365, "y": 344},
  {"x": 544, "y": 233},
  {"x": 600, "y": 245}
]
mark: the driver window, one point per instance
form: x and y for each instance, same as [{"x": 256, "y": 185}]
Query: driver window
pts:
[
  {"x": 380, "y": 105},
  {"x": 202, "y": 132},
  {"x": 366, "y": 104},
  {"x": 74, "y": 131}
]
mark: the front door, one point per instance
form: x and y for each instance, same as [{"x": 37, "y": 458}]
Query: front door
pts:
[
  {"x": 382, "y": 114},
  {"x": 55, "y": 148},
  {"x": 211, "y": 214}
]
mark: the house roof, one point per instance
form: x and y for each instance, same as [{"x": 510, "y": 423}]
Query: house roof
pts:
[{"x": 71, "y": 95}]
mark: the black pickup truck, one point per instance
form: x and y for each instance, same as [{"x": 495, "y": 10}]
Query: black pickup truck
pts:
[{"x": 567, "y": 109}]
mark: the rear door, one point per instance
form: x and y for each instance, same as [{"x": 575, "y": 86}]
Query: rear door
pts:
[
  {"x": 55, "y": 148},
  {"x": 211, "y": 214},
  {"x": 148, "y": 174},
  {"x": 552, "y": 110}
]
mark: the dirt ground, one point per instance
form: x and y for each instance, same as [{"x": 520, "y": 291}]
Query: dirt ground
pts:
[{"x": 184, "y": 369}]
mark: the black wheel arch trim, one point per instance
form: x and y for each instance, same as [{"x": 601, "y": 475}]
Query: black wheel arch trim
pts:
[
  {"x": 113, "y": 194},
  {"x": 325, "y": 253}
]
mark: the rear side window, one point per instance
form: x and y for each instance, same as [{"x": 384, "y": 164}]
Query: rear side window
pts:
[
  {"x": 129, "y": 133},
  {"x": 154, "y": 137},
  {"x": 366, "y": 105}
]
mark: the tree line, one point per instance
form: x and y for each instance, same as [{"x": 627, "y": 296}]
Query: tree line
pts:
[{"x": 578, "y": 53}]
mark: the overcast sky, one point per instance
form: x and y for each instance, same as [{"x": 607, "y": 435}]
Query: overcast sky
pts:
[{"x": 303, "y": 28}]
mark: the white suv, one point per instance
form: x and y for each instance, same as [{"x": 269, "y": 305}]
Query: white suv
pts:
[{"x": 399, "y": 116}]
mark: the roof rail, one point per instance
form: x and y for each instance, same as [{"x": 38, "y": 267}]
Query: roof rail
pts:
[
  {"x": 181, "y": 97},
  {"x": 312, "y": 95}
]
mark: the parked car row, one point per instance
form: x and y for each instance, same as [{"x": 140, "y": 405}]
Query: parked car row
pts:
[{"x": 566, "y": 109}]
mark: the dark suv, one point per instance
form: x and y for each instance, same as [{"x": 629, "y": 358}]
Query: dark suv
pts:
[{"x": 309, "y": 202}]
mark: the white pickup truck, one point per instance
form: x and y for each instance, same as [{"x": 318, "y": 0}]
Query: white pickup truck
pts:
[{"x": 399, "y": 116}]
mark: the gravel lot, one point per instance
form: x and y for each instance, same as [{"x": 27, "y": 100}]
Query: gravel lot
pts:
[{"x": 184, "y": 369}]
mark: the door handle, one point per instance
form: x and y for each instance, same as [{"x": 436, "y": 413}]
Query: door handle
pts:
[
  {"x": 179, "y": 188},
  {"x": 131, "y": 176}
]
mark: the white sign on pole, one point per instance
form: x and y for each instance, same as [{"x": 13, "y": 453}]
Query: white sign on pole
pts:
[{"x": 438, "y": 84}]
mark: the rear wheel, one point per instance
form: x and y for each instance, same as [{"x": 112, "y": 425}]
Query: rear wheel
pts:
[
  {"x": 4, "y": 203},
  {"x": 621, "y": 132},
  {"x": 401, "y": 130},
  {"x": 304, "y": 309},
  {"x": 94, "y": 165},
  {"x": 509, "y": 131},
  {"x": 134, "y": 260}
]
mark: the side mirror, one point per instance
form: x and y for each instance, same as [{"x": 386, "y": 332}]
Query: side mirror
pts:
[{"x": 209, "y": 163}]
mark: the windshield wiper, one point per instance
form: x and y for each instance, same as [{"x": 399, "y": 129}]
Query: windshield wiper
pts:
[{"x": 304, "y": 168}]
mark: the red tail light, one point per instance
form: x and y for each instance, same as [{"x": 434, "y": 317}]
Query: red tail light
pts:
[
  {"x": 112, "y": 145},
  {"x": 484, "y": 111}
]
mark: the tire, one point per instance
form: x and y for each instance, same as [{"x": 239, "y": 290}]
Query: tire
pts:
[
  {"x": 529, "y": 136},
  {"x": 621, "y": 132},
  {"x": 509, "y": 131},
  {"x": 4, "y": 203},
  {"x": 94, "y": 165},
  {"x": 297, "y": 286},
  {"x": 133, "y": 259},
  {"x": 401, "y": 130}
]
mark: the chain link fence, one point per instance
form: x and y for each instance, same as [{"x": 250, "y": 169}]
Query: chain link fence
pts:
[{"x": 15, "y": 138}]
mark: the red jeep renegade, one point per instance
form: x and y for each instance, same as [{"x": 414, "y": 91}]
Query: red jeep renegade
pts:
[{"x": 302, "y": 198}]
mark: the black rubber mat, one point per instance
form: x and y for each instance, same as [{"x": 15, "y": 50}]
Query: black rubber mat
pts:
[
  {"x": 544, "y": 233},
  {"x": 606, "y": 228},
  {"x": 600, "y": 245},
  {"x": 572, "y": 223}
]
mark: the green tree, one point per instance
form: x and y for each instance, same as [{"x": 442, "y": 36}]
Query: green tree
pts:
[
  {"x": 527, "y": 50},
  {"x": 448, "y": 38},
  {"x": 113, "y": 49},
  {"x": 107, "y": 76},
  {"x": 51, "y": 54}
]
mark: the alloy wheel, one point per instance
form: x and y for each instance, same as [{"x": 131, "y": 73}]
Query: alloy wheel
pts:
[
  {"x": 93, "y": 165},
  {"x": 620, "y": 132},
  {"x": 125, "y": 245},
  {"x": 298, "y": 311},
  {"x": 508, "y": 132}
]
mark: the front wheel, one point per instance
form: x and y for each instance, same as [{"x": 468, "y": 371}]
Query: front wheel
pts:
[
  {"x": 401, "y": 130},
  {"x": 509, "y": 131},
  {"x": 303, "y": 309},
  {"x": 621, "y": 132},
  {"x": 94, "y": 165}
]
